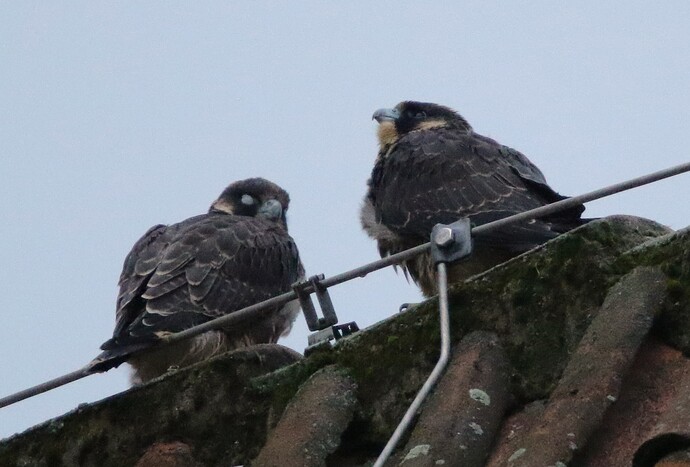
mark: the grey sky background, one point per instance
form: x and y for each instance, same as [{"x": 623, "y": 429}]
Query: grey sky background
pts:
[{"x": 115, "y": 116}]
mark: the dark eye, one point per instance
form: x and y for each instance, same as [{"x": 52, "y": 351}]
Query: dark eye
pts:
[
  {"x": 417, "y": 114},
  {"x": 247, "y": 200}
]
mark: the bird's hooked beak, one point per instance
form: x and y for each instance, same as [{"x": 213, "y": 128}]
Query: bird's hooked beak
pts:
[
  {"x": 271, "y": 209},
  {"x": 386, "y": 115}
]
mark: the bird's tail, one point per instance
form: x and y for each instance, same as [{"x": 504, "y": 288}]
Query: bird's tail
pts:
[
  {"x": 566, "y": 224},
  {"x": 115, "y": 356}
]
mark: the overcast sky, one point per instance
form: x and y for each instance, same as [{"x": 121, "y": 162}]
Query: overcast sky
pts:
[{"x": 115, "y": 116}]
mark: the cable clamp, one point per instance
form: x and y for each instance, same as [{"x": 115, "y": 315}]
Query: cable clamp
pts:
[
  {"x": 451, "y": 242},
  {"x": 304, "y": 290}
]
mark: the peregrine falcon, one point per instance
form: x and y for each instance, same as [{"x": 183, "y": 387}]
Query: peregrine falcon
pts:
[
  {"x": 184, "y": 274},
  {"x": 433, "y": 168}
]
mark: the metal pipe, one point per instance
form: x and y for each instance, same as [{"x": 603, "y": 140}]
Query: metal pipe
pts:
[
  {"x": 365, "y": 269},
  {"x": 584, "y": 198},
  {"x": 436, "y": 373},
  {"x": 527, "y": 215},
  {"x": 46, "y": 386},
  {"x": 398, "y": 258},
  {"x": 256, "y": 310}
]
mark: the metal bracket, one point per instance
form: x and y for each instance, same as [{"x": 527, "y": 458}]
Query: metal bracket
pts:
[
  {"x": 335, "y": 332},
  {"x": 313, "y": 321},
  {"x": 451, "y": 242},
  {"x": 448, "y": 243}
]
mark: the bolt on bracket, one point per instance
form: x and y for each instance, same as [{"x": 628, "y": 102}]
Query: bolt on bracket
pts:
[
  {"x": 451, "y": 242},
  {"x": 335, "y": 332}
]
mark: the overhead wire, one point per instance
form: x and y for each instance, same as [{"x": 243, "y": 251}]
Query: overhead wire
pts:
[{"x": 262, "y": 307}]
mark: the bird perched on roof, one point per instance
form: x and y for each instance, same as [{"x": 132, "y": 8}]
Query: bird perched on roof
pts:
[
  {"x": 184, "y": 274},
  {"x": 433, "y": 168}
]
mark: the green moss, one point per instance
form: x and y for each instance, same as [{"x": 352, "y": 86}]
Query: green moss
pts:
[
  {"x": 280, "y": 386},
  {"x": 539, "y": 305},
  {"x": 677, "y": 290},
  {"x": 672, "y": 256}
]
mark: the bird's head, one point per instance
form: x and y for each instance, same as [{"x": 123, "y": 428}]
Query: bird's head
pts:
[
  {"x": 410, "y": 116},
  {"x": 254, "y": 197}
]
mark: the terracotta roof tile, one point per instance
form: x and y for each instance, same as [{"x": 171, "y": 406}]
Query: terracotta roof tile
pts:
[
  {"x": 460, "y": 419},
  {"x": 312, "y": 424},
  {"x": 584, "y": 384}
]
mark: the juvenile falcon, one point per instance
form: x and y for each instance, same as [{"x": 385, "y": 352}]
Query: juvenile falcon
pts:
[
  {"x": 433, "y": 168},
  {"x": 184, "y": 274}
]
